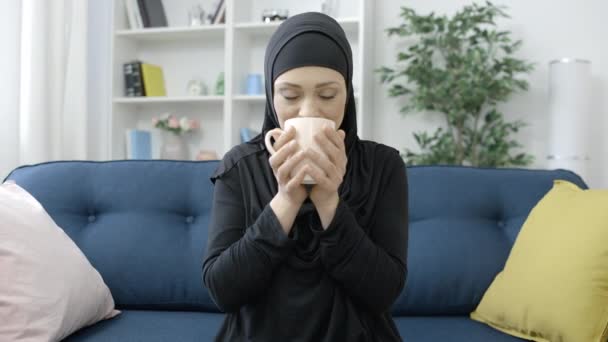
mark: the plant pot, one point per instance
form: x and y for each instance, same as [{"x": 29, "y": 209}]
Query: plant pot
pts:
[{"x": 174, "y": 147}]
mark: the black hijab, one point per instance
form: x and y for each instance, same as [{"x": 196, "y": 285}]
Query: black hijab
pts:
[
  {"x": 303, "y": 40},
  {"x": 309, "y": 39}
]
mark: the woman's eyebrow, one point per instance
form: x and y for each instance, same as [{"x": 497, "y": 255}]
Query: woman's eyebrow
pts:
[
  {"x": 320, "y": 85},
  {"x": 293, "y": 85}
]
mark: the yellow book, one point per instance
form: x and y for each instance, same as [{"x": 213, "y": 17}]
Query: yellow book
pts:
[{"x": 154, "y": 82}]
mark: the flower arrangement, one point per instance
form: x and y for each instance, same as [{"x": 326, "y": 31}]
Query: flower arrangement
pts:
[{"x": 168, "y": 122}]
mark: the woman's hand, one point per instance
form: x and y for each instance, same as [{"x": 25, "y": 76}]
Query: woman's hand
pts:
[
  {"x": 283, "y": 163},
  {"x": 327, "y": 169},
  {"x": 291, "y": 193}
]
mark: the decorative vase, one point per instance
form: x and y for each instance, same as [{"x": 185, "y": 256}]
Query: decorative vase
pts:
[
  {"x": 219, "y": 84},
  {"x": 174, "y": 146}
]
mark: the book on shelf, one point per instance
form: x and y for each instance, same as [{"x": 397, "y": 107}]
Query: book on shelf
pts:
[
  {"x": 143, "y": 79},
  {"x": 153, "y": 13},
  {"x": 138, "y": 144},
  {"x": 132, "y": 77},
  {"x": 153, "y": 80},
  {"x": 247, "y": 134},
  {"x": 145, "y": 13},
  {"x": 133, "y": 14}
]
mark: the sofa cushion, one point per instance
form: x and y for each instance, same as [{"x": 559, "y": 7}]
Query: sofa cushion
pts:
[
  {"x": 553, "y": 286},
  {"x": 160, "y": 326},
  {"x": 448, "y": 328},
  {"x": 141, "y": 223},
  {"x": 48, "y": 288},
  {"x": 463, "y": 222},
  {"x": 153, "y": 326}
]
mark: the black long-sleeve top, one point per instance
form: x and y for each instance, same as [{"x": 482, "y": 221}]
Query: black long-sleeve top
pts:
[{"x": 336, "y": 284}]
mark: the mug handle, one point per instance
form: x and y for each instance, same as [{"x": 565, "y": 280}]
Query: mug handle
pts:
[{"x": 271, "y": 134}]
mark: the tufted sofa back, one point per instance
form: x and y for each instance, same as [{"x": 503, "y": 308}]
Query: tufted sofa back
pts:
[
  {"x": 463, "y": 223},
  {"x": 143, "y": 226}
]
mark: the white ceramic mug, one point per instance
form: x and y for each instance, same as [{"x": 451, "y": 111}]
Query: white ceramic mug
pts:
[{"x": 306, "y": 128}]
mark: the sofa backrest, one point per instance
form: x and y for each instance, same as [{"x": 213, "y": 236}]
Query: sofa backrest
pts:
[
  {"x": 463, "y": 223},
  {"x": 143, "y": 226},
  {"x": 141, "y": 223}
]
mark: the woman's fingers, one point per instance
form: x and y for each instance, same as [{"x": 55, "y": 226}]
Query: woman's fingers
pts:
[
  {"x": 297, "y": 179},
  {"x": 326, "y": 166},
  {"x": 285, "y": 146},
  {"x": 284, "y": 138},
  {"x": 328, "y": 147},
  {"x": 283, "y": 154},
  {"x": 284, "y": 171},
  {"x": 332, "y": 143},
  {"x": 321, "y": 178},
  {"x": 335, "y": 138}
]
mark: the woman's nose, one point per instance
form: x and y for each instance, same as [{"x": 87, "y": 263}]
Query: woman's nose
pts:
[{"x": 308, "y": 109}]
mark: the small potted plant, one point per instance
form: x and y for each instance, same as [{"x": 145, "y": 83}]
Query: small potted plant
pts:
[{"x": 174, "y": 145}]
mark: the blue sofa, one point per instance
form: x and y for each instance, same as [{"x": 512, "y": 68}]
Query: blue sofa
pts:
[{"x": 143, "y": 226}]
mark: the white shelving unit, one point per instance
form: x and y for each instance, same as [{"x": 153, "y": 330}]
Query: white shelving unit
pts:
[
  {"x": 236, "y": 48},
  {"x": 173, "y": 99}
]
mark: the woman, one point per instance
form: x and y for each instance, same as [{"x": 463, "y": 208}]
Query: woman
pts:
[{"x": 291, "y": 263}]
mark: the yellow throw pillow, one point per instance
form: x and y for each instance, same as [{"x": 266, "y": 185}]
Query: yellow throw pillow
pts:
[{"x": 554, "y": 287}]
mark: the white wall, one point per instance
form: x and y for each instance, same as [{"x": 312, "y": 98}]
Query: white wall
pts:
[
  {"x": 10, "y": 29},
  {"x": 549, "y": 30}
]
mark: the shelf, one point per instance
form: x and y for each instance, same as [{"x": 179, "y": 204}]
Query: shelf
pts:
[
  {"x": 237, "y": 48},
  {"x": 165, "y": 99},
  {"x": 251, "y": 98},
  {"x": 174, "y": 33},
  {"x": 350, "y": 26}
]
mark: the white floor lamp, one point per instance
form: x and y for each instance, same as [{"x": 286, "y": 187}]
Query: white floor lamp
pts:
[{"x": 570, "y": 121}]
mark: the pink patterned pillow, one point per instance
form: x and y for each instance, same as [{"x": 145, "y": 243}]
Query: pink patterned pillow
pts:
[{"x": 48, "y": 288}]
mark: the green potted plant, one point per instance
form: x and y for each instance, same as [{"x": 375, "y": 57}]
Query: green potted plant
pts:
[{"x": 461, "y": 67}]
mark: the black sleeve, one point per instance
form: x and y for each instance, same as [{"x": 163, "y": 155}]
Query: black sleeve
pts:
[
  {"x": 240, "y": 260},
  {"x": 372, "y": 269}
]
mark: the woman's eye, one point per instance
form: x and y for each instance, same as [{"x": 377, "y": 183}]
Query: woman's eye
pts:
[
  {"x": 289, "y": 95},
  {"x": 327, "y": 94}
]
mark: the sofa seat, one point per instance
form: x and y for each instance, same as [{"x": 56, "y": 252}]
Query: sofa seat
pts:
[
  {"x": 448, "y": 329},
  {"x": 161, "y": 326},
  {"x": 152, "y": 326}
]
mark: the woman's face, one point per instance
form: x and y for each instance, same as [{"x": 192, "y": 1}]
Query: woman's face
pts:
[{"x": 310, "y": 91}]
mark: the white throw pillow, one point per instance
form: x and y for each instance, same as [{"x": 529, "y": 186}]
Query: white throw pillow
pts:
[{"x": 48, "y": 288}]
